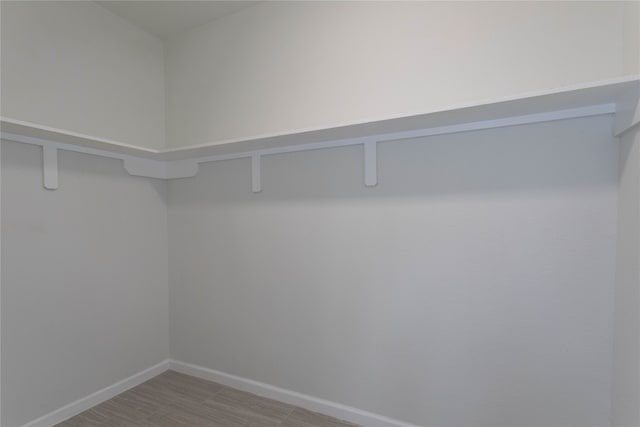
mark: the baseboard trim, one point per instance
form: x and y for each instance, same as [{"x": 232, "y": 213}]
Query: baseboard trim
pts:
[
  {"x": 80, "y": 405},
  {"x": 311, "y": 403}
]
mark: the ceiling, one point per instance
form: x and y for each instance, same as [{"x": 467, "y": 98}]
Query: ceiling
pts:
[{"x": 167, "y": 18}]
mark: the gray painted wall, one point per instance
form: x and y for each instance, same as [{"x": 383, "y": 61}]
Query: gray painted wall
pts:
[
  {"x": 84, "y": 281},
  {"x": 626, "y": 372},
  {"x": 472, "y": 287}
]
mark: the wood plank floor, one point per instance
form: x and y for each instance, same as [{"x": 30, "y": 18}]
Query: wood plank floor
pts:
[{"x": 176, "y": 400}]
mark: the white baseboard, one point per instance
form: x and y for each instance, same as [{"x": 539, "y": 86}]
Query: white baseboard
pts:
[
  {"x": 80, "y": 405},
  {"x": 311, "y": 403}
]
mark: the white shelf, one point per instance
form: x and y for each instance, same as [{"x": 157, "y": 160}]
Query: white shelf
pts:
[
  {"x": 601, "y": 93},
  {"x": 618, "y": 96}
]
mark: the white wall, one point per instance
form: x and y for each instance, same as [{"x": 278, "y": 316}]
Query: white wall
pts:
[
  {"x": 77, "y": 67},
  {"x": 472, "y": 287},
  {"x": 284, "y": 66},
  {"x": 632, "y": 37},
  {"x": 84, "y": 279},
  {"x": 626, "y": 373}
]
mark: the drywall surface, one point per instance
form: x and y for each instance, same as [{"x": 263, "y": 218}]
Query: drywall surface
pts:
[
  {"x": 284, "y": 66},
  {"x": 84, "y": 281},
  {"x": 626, "y": 374},
  {"x": 632, "y": 37},
  {"x": 472, "y": 287},
  {"x": 77, "y": 67}
]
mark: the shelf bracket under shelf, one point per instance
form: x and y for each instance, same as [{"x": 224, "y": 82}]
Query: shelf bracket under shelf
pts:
[
  {"x": 370, "y": 163},
  {"x": 256, "y": 173},
  {"x": 50, "y": 167}
]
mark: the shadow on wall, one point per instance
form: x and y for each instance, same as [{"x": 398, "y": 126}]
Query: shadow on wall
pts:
[
  {"x": 471, "y": 287},
  {"x": 84, "y": 279}
]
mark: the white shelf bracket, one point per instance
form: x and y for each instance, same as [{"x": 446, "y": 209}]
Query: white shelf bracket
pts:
[
  {"x": 256, "y": 173},
  {"x": 370, "y": 164},
  {"x": 50, "y": 167}
]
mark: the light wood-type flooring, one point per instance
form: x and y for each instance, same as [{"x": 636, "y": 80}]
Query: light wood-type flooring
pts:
[{"x": 176, "y": 400}]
